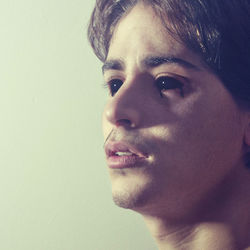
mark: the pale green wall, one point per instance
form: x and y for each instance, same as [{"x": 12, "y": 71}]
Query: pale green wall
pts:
[{"x": 54, "y": 189}]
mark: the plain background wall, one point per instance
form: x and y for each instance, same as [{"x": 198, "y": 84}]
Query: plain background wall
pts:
[{"x": 54, "y": 188}]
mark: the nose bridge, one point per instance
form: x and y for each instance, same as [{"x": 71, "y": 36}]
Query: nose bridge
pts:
[{"x": 125, "y": 107}]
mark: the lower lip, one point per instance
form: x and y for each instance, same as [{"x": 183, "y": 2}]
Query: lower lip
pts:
[{"x": 125, "y": 161}]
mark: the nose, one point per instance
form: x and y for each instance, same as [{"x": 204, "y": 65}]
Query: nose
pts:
[{"x": 125, "y": 108}]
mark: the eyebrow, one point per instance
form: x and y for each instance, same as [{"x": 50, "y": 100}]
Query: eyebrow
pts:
[
  {"x": 150, "y": 62},
  {"x": 113, "y": 65}
]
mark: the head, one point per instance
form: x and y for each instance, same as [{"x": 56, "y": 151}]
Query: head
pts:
[
  {"x": 179, "y": 80},
  {"x": 217, "y": 31}
]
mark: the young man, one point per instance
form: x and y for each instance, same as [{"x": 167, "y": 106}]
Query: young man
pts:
[{"x": 177, "y": 123}]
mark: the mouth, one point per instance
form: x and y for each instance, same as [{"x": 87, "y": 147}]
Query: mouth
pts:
[{"x": 121, "y": 155}]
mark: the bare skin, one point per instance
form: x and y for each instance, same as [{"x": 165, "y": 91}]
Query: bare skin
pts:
[
  {"x": 192, "y": 187},
  {"x": 222, "y": 226}
]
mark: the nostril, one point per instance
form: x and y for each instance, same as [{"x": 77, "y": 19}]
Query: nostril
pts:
[{"x": 124, "y": 122}]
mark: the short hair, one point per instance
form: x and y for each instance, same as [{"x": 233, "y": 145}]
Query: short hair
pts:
[{"x": 217, "y": 30}]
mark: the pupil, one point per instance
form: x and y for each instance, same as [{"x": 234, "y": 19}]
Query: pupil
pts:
[
  {"x": 116, "y": 84},
  {"x": 169, "y": 83}
]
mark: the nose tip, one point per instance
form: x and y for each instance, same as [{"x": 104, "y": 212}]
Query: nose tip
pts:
[{"x": 122, "y": 115}]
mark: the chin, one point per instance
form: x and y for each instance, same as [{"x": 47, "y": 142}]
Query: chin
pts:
[
  {"x": 131, "y": 200},
  {"x": 132, "y": 194},
  {"x": 147, "y": 197}
]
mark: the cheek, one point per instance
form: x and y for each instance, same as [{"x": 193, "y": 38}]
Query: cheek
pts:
[{"x": 201, "y": 132}]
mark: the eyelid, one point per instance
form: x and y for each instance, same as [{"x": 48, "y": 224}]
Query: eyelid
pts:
[
  {"x": 113, "y": 74},
  {"x": 108, "y": 82},
  {"x": 109, "y": 79},
  {"x": 178, "y": 77},
  {"x": 116, "y": 77}
]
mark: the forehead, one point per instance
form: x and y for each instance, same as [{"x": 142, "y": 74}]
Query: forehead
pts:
[{"x": 141, "y": 33}]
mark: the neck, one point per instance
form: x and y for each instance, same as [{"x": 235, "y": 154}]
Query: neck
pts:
[
  {"x": 204, "y": 235},
  {"x": 223, "y": 224}
]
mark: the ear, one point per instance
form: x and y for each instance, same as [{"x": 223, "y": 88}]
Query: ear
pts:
[{"x": 247, "y": 131}]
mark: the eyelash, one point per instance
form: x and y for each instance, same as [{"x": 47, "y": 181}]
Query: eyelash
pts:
[
  {"x": 163, "y": 83},
  {"x": 109, "y": 85}
]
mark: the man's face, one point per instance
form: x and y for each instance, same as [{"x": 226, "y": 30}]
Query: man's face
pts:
[{"x": 180, "y": 129}]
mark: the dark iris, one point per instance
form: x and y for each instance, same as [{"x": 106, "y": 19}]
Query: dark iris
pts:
[
  {"x": 166, "y": 82},
  {"x": 114, "y": 86}
]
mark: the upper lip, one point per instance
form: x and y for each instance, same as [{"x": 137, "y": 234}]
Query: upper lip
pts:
[{"x": 112, "y": 148}]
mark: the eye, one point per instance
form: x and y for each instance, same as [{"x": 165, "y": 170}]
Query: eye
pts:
[
  {"x": 166, "y": 82},
  {"x": 114, "y": 85}
]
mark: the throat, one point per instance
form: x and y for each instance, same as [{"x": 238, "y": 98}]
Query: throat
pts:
[{"x": 205, "y": 236}]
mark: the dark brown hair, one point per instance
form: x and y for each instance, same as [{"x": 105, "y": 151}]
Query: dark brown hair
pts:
[{"x": 217, "y": 30}]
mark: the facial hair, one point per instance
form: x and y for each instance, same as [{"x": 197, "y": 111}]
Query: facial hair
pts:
[{"x": 140, "y": 194}]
